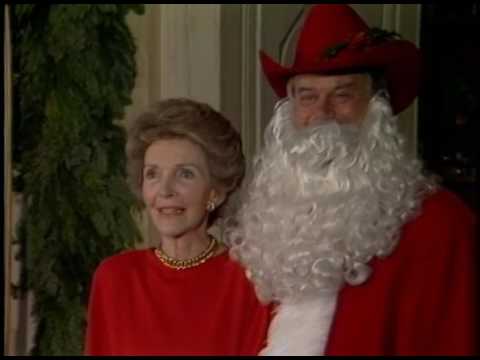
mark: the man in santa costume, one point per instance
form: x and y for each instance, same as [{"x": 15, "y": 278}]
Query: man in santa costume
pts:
[{"x": 361, "y": 251}]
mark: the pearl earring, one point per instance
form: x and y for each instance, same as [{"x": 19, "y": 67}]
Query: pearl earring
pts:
[{"x": 210, "y": 206}]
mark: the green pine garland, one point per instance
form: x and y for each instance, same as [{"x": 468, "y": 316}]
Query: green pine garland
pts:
[{"x": 74, "y": 70}]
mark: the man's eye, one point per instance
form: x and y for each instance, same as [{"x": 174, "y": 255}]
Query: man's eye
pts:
[
  {"x": 343, "y": 95},
  {"x": 308, "y": 98}
]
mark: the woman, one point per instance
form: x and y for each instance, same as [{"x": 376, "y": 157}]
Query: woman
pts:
[{"x": 186, "y": 296}]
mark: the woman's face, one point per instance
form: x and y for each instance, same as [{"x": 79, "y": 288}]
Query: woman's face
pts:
[{"x": 176, "y": 187}]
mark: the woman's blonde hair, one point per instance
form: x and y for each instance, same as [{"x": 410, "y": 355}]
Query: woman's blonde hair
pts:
[{"x": 194, "y": 121}]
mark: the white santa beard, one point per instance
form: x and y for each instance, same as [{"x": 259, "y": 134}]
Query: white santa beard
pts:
[{"x": 322, "y": 202}]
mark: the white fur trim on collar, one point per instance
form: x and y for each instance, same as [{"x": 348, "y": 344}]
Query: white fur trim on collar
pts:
[{"x": 301, "y": 328}]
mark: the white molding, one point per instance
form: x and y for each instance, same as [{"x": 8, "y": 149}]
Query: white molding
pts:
[
  {"x": 258, "y": 87},
  {"x": 172, "y": 44},
  {"x": 291, "y": 38},
  {"x": 418, "y": 22},
  {"x": 145, "y": 30},
  {"x": 398, "y": 17},
  {"x": 247, "y": 105},
  {"x": 203, "y": 27},
  {"x": 389, "y": 18},
  {"x": 178, "y": 53},
  {"x": 19, "y": 326},
  {"x": 7, "y": 186},
  {"x": 190, "y": 52},
  {"x": 404, "y": 22}
]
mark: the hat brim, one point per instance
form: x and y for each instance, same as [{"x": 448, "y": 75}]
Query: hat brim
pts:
[{"x": 400, "y": 60}]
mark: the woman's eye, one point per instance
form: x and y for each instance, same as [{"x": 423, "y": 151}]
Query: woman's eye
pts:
[
  {"x": 186, "y": 173},
  {"x": 149, "y": 174}
]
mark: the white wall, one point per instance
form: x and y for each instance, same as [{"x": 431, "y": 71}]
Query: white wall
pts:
[{"x": 178, "y": 54}]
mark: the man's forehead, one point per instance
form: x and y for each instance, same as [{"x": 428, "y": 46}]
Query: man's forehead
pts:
[{"x": 307, "y": 81}]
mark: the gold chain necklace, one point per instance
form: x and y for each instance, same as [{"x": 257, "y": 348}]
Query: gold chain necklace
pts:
[{"x": 187, "y": 263}]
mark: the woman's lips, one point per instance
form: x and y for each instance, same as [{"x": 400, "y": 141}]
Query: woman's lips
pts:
[{"x": 171, "y": 210}]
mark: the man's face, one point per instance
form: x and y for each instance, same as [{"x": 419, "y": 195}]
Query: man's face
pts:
[{"x": 318, "y": 98}]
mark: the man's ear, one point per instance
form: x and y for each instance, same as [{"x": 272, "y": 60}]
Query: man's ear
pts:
[{"x": 291, "y": 87}]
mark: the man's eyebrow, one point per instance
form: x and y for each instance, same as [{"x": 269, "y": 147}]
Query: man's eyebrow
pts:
[
  {"x": 304, "y": 89},
  {"x": 345, "y": 85}
]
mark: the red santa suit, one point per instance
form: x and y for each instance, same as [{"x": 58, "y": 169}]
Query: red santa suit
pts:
[{"x": 421, "y": 300}]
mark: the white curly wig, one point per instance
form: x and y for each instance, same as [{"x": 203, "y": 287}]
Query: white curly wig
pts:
[{"x": 322, "y": 201}]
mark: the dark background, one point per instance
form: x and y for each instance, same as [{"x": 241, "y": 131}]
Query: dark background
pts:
[{"x": 449, "y": 103}]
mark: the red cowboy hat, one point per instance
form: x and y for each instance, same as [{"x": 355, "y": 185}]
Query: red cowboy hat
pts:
[{"x": 334, "y": 40}]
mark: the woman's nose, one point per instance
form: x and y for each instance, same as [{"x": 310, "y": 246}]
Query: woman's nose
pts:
[{"x": 166, "y": 187}]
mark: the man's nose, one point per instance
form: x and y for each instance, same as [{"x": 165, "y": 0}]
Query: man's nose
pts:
[{"x": 321, "y": 112}]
